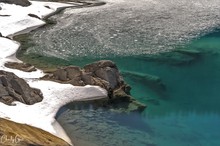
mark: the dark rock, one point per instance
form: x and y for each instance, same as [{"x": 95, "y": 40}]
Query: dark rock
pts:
[
  {"x": 47, "y": 7},
  {"x": 3, "y": 91},
  {"x": 110, "y": 75},
  {"x": 21, "y": 66},
  {"x": 33, "y": 15},
  {"x": 13, "y": 88},
  {"x": 102, "y": 73},
  {"x": 87, "y": 78},
  {"x": 24, "y": 3},
  {"x": 73, "y": 72},
  {"x": 60, "y": 74},
  {"x": 99, "y": 64}
]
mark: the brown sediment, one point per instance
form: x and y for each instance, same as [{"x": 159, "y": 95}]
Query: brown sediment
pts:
[{"x": 15, "y": 134}]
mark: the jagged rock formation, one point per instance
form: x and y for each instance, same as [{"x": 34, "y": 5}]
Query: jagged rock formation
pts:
[
  {"x": 15, "y": 134},
  {"x": 17, "y": 2},
  {"x": 103, "y": 73},
  {"x": 13, "y": 88}
]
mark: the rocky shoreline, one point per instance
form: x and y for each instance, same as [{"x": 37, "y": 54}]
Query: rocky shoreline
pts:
[{"x": 102, "y": 73}]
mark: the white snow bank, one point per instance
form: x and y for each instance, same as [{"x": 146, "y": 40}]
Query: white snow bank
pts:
[
  {"x": 14, "y": 20},
  {"x": 8, "y": 50},
  {"x": 8, "y": 47},
  {"x": 56, "y": 95}
]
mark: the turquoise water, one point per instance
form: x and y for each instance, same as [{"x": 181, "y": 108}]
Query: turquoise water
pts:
[{"x": 186, "y": 113}]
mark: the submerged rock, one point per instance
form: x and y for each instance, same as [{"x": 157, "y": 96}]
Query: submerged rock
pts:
[
  {"x": 17, "y": 2},
  {"x": 103, "y": 73},
  {"x": 151, "y": 81},
  {"x": 177, "y": 57},
  {"x": 190, "y": 52},
  {"x": 13, "y": 88},
  {"x": 15, "y": 134}
]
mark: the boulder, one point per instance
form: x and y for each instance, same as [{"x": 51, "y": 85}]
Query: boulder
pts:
[
  {"x": 24, "y": 3},
  {"x": 102, "y": 73},
  {"x": 99, "y": 64},
  {"x": 13, "y": 88}
]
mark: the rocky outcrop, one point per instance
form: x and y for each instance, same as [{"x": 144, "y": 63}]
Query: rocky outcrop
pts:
[
  {"x": 103, "y": 73},
  {"x": 24, "y": 3},
  {"x": 13, "y": 88},
  {"x": 15, "y": 134},
  {"x": 21, "y": 66}
]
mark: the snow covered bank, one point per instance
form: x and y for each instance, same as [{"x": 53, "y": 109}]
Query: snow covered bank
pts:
[
  {"x": 42, "y": 114},
  {"x": 16, "y": 20}
]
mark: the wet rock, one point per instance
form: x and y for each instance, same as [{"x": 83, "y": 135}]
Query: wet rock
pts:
[
  {"x": 24, "y": 3},
  {"x": 61, "y": 75},
  {"x": 13, "y": 88},
  {"x": 73, "y": 72},
  {"x": 102, "y": 73}
]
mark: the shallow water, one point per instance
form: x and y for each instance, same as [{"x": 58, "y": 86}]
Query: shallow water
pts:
[{"x": 132, "y": 33}]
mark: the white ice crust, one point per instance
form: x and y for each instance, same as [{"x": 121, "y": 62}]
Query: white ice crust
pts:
[{"x": 15, "y": 20}]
